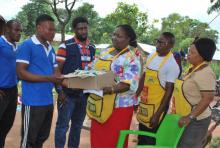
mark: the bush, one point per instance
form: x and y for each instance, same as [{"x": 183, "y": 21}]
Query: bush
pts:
[
  {"x": 215, "y": 143},
  {"x": 216, "y": 69}
]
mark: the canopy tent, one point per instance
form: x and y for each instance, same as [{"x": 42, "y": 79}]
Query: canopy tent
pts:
[
  {"x": 57, "y": 37},
  {"x": 216, "y": 56}
]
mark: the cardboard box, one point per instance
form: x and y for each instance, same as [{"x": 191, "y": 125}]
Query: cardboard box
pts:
[{"x": 92, "y": 82}]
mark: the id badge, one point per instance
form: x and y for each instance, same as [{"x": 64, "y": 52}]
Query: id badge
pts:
[
  {"x": 88, "y": 58},
  {"x": 85, "y": 58}
]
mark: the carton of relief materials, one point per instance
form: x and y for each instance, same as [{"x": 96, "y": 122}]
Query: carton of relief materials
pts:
[{"x": 90, "y": 79}]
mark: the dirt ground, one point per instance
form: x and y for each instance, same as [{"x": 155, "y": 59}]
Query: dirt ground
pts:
[{"x": 13, "y": 138}]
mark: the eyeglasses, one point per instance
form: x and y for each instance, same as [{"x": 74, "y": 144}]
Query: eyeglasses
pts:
[{"x": 157, "y": 41}]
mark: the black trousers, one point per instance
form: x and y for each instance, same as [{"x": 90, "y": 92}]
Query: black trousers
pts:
[
  {"x": 8, "y": 105},
  {"x": 145, "y": 140},
  {"x": 36, "y": 125}
]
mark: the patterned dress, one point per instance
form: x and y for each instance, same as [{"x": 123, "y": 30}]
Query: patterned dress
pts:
[{"x": 127, "y": 69}]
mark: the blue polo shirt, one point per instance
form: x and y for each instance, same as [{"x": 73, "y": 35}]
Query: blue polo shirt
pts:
[
  {"x": 8, "y": 76},
  {"x": 41, "y": 61}
]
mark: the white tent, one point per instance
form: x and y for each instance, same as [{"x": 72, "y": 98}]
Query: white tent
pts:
[
  {"x": 146, "y": 48},
  {"x": 57, "y": 37},
  {"x": 102, "y": 46},
  {"x": 149, "y": 49},
  {"x": 216, "y": 56}
]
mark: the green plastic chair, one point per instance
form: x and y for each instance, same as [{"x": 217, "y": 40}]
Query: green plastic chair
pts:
[{"x": 167, "y": 136}]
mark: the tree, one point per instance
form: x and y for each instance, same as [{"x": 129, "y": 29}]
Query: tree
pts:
[
  {"x": 87, "y": 10},
  {"x": 215, "y": 7},
  {"x": 29, "y": 14},
  {"x": 151, "y": 33},
  {"x": 125, "y": 14},
  {"x": 186, "y": 29},
  {"x": 65, "y": 14}
]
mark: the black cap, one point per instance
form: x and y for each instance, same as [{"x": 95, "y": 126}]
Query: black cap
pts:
[{"x": 206, "y": 48}]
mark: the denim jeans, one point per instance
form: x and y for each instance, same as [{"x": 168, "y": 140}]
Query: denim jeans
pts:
[{"x": 73, "y": 109}]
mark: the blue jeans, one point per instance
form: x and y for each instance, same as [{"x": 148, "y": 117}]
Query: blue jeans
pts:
[{"x": 73, "y": 109}]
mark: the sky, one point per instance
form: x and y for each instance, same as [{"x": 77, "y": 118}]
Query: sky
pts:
[{"x": 156, "y": 9}]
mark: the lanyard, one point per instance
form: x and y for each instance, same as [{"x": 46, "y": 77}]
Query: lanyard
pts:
[
  {"x": 85, "y": 58},
  {"x": 81, "y": 50},
  {"x": 115, "y": 56},
  {"x": 197, "y": 67}
]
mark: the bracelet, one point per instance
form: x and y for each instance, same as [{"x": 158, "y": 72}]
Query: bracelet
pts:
[{"x": 192, "y": 118}]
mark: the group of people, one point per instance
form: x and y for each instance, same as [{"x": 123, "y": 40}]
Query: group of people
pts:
[{"x": 151, "y": 86}]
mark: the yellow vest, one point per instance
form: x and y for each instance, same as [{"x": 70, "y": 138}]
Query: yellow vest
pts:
[
  {"x": 180, "y": 105},
  {"x": 152, "y": 93},
  {"x": 101, "y": 108}
]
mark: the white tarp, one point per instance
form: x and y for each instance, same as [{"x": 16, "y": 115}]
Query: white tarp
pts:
[
  {"x": 216, "y": 56},
  {"x": 57, "y": 37},
  {"x": 102, "y": 46},
  {"x": 146, "y": 48}
]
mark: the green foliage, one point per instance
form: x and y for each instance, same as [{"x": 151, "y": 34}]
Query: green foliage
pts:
[
  {"x": 186, "y": 29},
  {"x": 184, "y": 44},
  {"x": 216, "y": 69},
  {"x": 126, "y": 14},
  {"x": 215, "y": 7},
  {"x": 63, "y": 16},
  {"x": 150, "y": 35},
  {"x": 215, "y": 143},
  {"x": 87, "y": 10},
  {"x": 29, "y": 13}
]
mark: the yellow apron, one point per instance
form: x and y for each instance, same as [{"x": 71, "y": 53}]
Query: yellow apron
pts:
[
  {"x": 152, "y": 93},
  {"x": 180, "y": 104},
  {"x": 100, "y": 108}
]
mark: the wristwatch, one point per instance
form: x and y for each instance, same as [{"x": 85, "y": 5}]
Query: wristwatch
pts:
[{"x": 192, "y": 118}]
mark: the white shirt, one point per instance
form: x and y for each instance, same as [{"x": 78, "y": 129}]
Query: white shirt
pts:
[{"x": 169, "y": 71}]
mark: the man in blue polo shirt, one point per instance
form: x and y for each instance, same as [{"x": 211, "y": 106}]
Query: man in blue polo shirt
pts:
[
  {"x": 38, "y": 70},
  {"x": 75, "y": 53},
  {"x": 8, "y": 78}
]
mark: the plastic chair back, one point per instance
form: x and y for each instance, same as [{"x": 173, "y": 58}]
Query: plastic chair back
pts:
[
  {"x": 167, "y": 135},
  {"x": 169, "y": 132}
]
